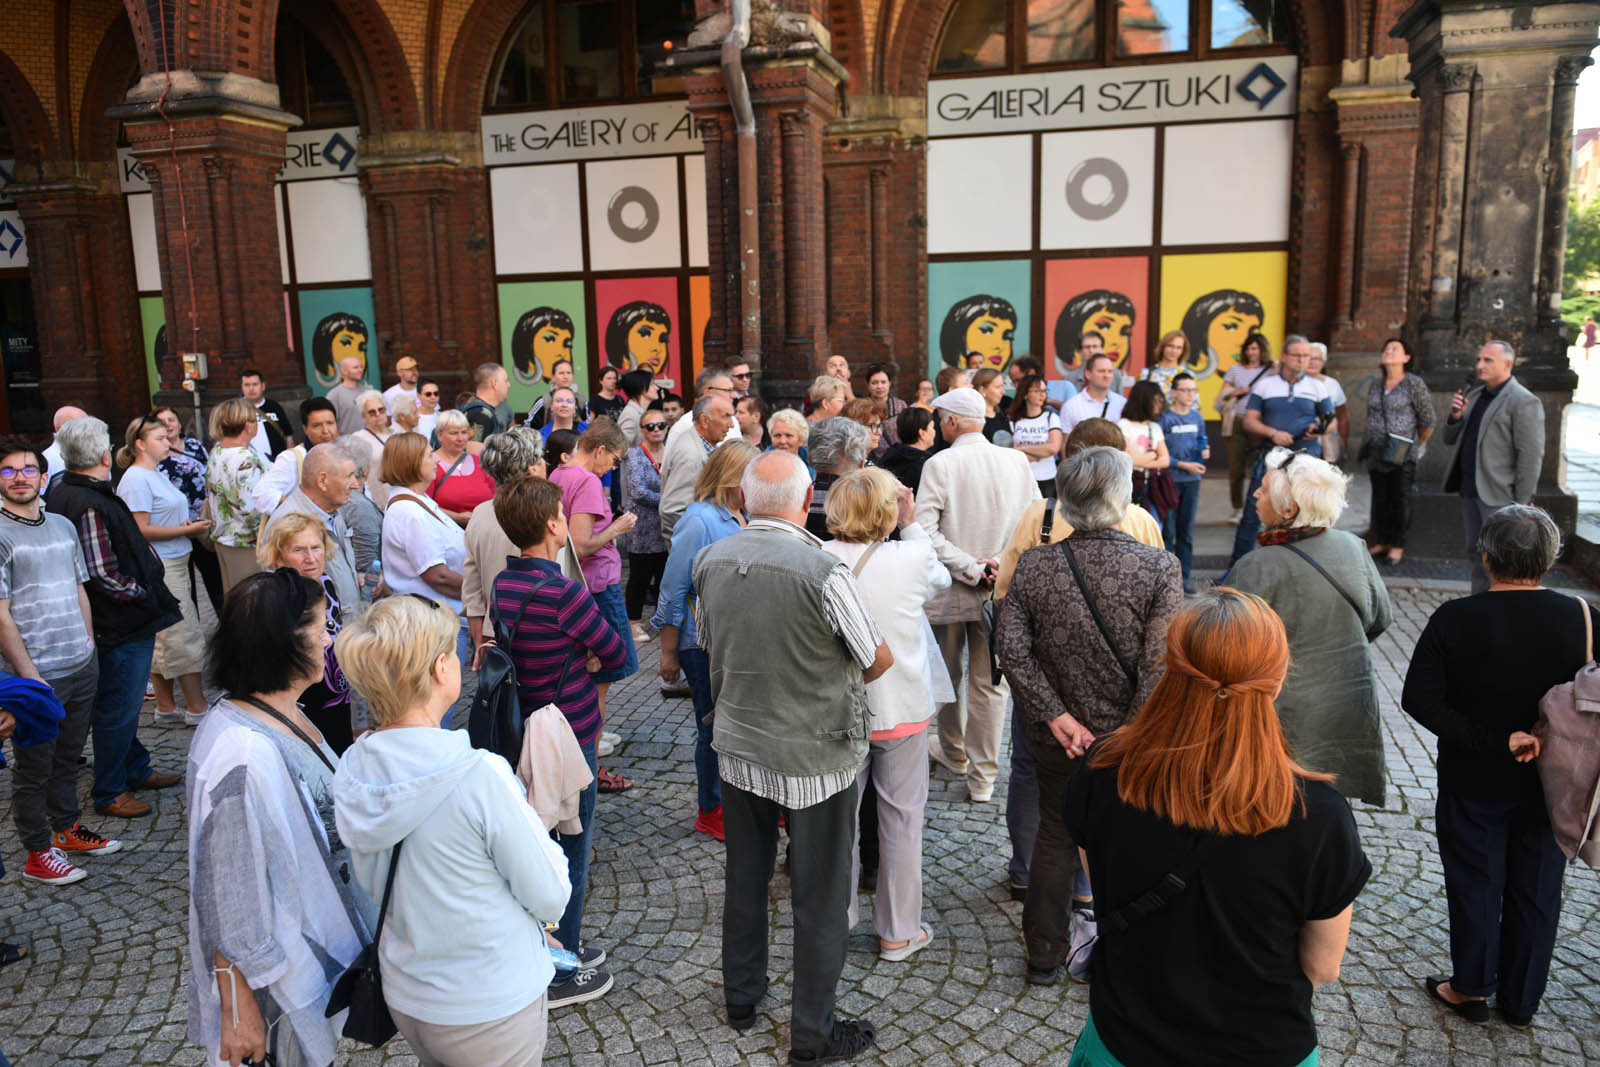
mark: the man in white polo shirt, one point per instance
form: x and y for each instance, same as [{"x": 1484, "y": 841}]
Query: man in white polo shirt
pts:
[{"x": 1098, "y": 399}]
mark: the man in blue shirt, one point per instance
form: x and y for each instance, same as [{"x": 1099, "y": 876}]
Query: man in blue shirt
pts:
[
  {"x": 1289, "y": 409},
  {"x": 1185, "y": 431}
]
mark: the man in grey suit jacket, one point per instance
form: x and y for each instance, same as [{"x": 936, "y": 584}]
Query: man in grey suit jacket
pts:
[{"x": 1499, "y": 447}]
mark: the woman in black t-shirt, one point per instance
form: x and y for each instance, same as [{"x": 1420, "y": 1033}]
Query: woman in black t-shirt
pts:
[{"x": 1201, "y": 785}]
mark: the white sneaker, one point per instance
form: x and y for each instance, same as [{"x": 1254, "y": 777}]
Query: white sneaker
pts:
[
  {"x": 607, "y": 735},
  {"x": 149, "y": 690},
  {"x": 169, "y": 719},
  {"x": 192, "y": 718},
  {"x": 1233, "y": 520},
  {"x": 603, "y": 748}
]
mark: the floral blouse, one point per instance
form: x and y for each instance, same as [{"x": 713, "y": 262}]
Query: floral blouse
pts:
[
  {"x": 229, "y": 478},
  {"x": 188, "y": 474}
]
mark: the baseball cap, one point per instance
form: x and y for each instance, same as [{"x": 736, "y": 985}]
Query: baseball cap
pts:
[
  {"x": 405, "y": 363},
  {"x": 964, "y": 402}
]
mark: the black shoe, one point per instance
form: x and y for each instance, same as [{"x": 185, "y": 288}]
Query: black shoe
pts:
[
  {"x": 869, "y": 880},
  {"x": 1521, "y": 1022},
  {"x": 1046, "y": 975},
  {"x": 676, "y": 690},
  {"x": 743, "y": 1016},
  {"x": 850, "y": 1038},
  {"x": 581, "y": 987},
  {"x": 1474, "y": 1011},
  {"x": 1019, "y": 892},
  {"x": 590, "y": 957}
]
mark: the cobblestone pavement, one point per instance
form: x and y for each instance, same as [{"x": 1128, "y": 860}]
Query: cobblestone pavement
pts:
[{"x": 105, "y": 982}]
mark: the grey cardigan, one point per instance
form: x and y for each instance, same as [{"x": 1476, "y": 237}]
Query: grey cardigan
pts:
[{"x": 1510, "y": 446}]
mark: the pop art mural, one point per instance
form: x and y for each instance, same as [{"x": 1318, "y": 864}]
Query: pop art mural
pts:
[{"x": 981, "y": 308}]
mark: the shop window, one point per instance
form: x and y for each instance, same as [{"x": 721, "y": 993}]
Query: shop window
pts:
[
  {"x": 583, "y": 51},
  {"x": 1060, "y": 31},
  {"x": 590, "y": 60},
  {"x": 975, "y": 38},
  {"x": 522, "y": 75},
  {"x": 310, "y": 82},
  {"x": 661, "y": 28},
  {"x": 1241, "y": 23},
  {"x": 1151, "y": 27}
]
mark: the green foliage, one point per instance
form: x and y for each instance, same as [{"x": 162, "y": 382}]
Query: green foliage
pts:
[
  {"x": 1583, "y": 246},
  {"x": 1573, "y": 309}
]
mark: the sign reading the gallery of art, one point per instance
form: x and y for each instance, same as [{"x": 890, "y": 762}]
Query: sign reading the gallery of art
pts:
[
  {"x": 666, "y": 128},
  {"x": 326, "y": 153},
  {"x": 1119, "y": 96}
]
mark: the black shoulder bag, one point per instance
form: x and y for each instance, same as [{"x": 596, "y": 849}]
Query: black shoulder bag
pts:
[
  {"x": 360, "y": 989},
  {"x": 1348, "y": 599},
  {"x": 1173, "y": 885},
  {"x": 1094, "y": 609},
  {"x": 495, "y": 720}
]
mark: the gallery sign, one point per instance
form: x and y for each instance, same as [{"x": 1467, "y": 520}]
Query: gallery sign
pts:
[
  {"x": 1118, "y": 96},
  {"x": 325, "y": 153},
  {"x": 665, "y": 128}
]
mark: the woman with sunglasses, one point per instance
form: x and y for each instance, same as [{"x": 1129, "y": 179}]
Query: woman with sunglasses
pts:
[{"x": 647, "y": 549}]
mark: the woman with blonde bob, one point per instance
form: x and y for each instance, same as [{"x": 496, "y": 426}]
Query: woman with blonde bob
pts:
[
  {"x": 1324, "y": 586},
  {"x": 1267, "y": 863},
  {"x": 231, "y": 474},
  {"x": 462, "y": 951},
  {"x": 828, "y": 396},
  {"x": 716, "y": 513},
  {"x": 896, "y": 580},
  {"x": 789, "y": 431}
]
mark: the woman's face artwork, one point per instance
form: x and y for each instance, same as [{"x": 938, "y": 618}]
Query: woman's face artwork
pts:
[
  {"x": 551, "y": 343},
  {"x": 990, "y": 337},
  {"x": 647, "y": 344},
  {"x": 1228, "y": 330},
  {"x": 348, "y": 344},
  {"x": 1115, "y": 329}
]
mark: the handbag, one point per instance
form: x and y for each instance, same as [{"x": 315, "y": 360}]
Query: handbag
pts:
[
  {"x": 1393, "y": 451},
  {"x": 1230, "y": 410},
  {"x": 1569, "y": 755},
  {"x": 989, "y": 610},
  {"x": 360, "y": 988}
]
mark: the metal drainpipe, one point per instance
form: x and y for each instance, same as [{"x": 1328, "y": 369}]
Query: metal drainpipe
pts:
[{"x": 744, "y": 126}]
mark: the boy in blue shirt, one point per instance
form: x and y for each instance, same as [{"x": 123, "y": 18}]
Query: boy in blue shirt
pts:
[{"x": 1185, "y": 431}]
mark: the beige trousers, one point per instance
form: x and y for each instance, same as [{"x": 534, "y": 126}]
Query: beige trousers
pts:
[
  {"x": 972, "y": 726},
  {"x": 237, "y": 564},
  {"x": 514, "y": 1041},
  {"x": 181, "y": 647}
]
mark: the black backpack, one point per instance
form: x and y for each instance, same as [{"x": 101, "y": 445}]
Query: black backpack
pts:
[{"x": 495, "y": 721}]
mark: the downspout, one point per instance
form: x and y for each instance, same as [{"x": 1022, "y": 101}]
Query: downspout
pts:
[{"x": 744, "y": 128}]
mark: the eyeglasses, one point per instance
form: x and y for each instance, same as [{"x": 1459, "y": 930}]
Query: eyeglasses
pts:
[
  {"x": 719, "y": 388},
  {"x": 653, "y": 426},
  {"x": 430, "y": 393},
  {"x": 736, "y": 377},
  {"x": 30, "y": 471}
]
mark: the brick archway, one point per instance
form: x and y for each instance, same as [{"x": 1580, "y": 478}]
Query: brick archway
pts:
[
  {"x": 363, "y": 42},
  {"x": 115, "y": 65},
  {"x": 478, "y": 43},
  {"x": 32, "y": 134}
]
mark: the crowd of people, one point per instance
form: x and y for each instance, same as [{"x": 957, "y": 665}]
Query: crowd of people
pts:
[{"x": 945, "y": 566}]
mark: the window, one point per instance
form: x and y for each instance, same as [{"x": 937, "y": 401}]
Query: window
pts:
[
  {"x": 983, "y": 35},
  {"x": 589, "y": 51},
  {"x": 310, "y": 82}
]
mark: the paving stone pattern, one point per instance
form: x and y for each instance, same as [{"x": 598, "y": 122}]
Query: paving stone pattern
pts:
[{"x": 105, "y": 984}]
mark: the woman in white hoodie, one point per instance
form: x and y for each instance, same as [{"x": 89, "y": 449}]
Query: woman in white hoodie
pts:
[
  {"x": 463, "y": 953},
  {"x": 896, "y": 579}
]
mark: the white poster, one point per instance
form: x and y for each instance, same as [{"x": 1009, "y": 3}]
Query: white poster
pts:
[
  {"x": 665, "y": 128},
  {"x": 694, "y": 195},
  {"x": 633, "y": 214},
  {"x": 328, "y": 221},
  {"x": 13, "y": 241},
  {"x": 1227, "y": 183},
  {"x": 283, "y": 237},
  {"x": 146, "y": 255},
  {"x": 980, "y": 194},
  {"x": 537, "y": 226},
  {"x": 1098, "y": 188}
]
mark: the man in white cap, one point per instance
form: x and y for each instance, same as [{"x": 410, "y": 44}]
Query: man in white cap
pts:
[{"x": 970, "y": 499}]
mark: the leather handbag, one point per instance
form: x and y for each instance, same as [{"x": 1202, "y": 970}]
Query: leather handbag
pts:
[
  {"x": 1569, "y": 755},
  {"x": 360, "y": 989}
]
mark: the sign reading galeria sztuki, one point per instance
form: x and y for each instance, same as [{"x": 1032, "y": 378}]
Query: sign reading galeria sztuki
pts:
[{"x": 1163, "y": 203}]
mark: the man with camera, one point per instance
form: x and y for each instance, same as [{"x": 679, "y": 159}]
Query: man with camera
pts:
[
  {"x": 1290, "y": 409},
  {"x": 969, "y": 500}
]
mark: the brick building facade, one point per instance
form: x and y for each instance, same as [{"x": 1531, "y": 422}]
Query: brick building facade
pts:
[{"x": 227, "y": 179}]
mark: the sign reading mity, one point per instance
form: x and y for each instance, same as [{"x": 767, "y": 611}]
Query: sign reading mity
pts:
[
  {"x": 327, "y": 153},
  {"x": 1122, "y": 96},
  {"x": 590, "y": 133}
]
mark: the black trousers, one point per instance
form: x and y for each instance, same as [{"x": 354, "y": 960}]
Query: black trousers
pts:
[
  {"x": 203, "y": 561},
  {"x": 820, "y": 839},
  {"x": 1391, "y": 504},
  {"x": 1047, "y": 910},
  {"x": 1502, "y": 879},
  {"x": 644, "y": 574}
]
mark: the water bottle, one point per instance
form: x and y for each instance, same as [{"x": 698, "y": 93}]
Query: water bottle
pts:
[{"x": 373, "y": 578}]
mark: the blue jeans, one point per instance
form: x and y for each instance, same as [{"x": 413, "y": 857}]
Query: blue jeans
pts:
[
  {"x": 615, "y": 611},
  {"x": 696, "y": 667},
  {"x": 120, "y": 761},
  {"x": 577, "y": 847},
  {"x": 1177, "y": 529},
  {"x": 1022, "y": 799},
  {"x": 1249, "y": 522}
]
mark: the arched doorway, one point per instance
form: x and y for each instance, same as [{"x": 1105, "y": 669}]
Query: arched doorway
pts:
[
  {"x": 23, "y": 408},
  {"x": 1118, "y": 168}
]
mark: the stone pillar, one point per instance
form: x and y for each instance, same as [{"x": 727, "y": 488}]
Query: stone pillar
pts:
[
  {"x": 212, "y": 151},
  {"x": 1495, "y": 85},
  {"x": 432, "y": 279},
  {"x": 81, "y": 260}
]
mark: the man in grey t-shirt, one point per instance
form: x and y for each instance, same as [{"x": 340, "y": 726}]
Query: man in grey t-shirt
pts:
[
  {"x": 45, "y": 636},
  {"x": 352, "y": 384}
]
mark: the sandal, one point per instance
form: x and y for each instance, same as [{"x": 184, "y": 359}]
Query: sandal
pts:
[
  {"x": 909, "y": 949},
  {"x": 612, "y": 782},
  {"x": 10, "y": 953}
]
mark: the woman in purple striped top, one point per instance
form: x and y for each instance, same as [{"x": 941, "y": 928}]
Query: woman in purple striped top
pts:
[{"x": 552, "y": 638}]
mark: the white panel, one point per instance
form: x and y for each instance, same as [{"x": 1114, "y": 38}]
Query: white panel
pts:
[
  {"x": 146, "y": 258},
  {"x": 537, "y": 225},
  {"x": 694, "y": 194},
  {"x": 13, "y": 241},
  {"x": 1227, "y": 182},
  {"x": 633, "y": 214},
  {"x": 283, "y": 239},
  {"x": 980, "y": 194},
  {"x": 329, "y": 221},
  {"x": 1098, "y": 188}
]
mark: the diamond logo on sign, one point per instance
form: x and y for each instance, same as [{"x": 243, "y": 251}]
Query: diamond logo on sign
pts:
[
  {"x": 5, "y": 180},
  {"x": 1275, "y": 85},
  {"x": 10, "y": 239},
  {"x": 340, "y": 152}
]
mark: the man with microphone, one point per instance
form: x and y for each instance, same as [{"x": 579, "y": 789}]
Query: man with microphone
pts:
[{"x": 1497, "y": 428}]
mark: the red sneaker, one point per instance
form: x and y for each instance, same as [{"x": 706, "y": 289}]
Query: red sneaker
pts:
[
  {"x": 710, "y": 822},
  {"x": 52, "y": 868},
  {"x": 81, "y": 839}
]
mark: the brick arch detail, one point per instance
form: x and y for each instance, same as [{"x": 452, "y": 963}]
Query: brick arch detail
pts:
[
  {"x": 364, "y": 42},
  {"x": 909, "y": 33},
  {"x": 115, "y": 65},
  {"x": 848, "y": 31},
  {"x": 478, "y": 43},
  {"x": 33, "y": 135}
]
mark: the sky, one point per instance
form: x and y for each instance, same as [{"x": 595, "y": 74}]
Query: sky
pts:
[{"x": 1587, "y": 112}]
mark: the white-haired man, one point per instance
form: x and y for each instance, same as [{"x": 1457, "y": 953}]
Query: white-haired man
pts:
[
  {"x": 790, "y": 732},
  {"x": 1497, "y": 429},
  {"x": 704, "y": 427},
  {"x": 969, "y": 500}
]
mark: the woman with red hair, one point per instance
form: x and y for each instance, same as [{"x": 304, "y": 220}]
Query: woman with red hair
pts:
[{"x": 1224, "y": 872}]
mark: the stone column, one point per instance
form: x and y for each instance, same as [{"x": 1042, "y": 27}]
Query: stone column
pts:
[{"x": 1495, "y": 87}]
